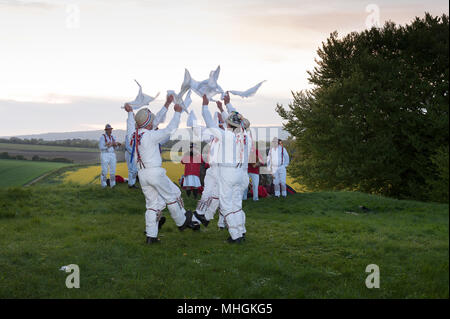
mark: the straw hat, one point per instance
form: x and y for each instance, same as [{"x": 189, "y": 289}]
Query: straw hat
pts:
[
  {"x": 234, "y": 119},
  {"x": 144, "y": 117}
]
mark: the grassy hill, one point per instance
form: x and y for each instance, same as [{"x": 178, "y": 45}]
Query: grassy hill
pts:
[
  {"x": 18, "y": 173},
  {"x": 79, "y": 155},
  {"x": 313, "y": 245}
]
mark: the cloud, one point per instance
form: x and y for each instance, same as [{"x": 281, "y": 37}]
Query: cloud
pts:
[{"x": 38, "y": 4}]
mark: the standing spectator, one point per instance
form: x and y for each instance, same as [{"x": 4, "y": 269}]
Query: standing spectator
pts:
[
  {"x": 253, "y": 172},
  {"x": 192, "y": 162},
  {"x": 107, "y": 145},
  {"x": 277, "y": 161}
]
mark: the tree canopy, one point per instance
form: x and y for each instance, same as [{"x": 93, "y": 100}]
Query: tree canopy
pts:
[{"x": 376, "y": 119}]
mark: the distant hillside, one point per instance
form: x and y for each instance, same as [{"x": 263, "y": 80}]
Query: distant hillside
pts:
[{"x": 120, "y": 134}]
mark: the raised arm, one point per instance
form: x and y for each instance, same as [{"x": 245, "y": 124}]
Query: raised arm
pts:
[
  {"x": 223, "y": 113},
  {"x": 131, "y": 123},
  {"x": 226, "y": 100},
  {"x": 161, "y": 115},
  {"x": 210, "y": 123},
  {"x": 161, "y": 135}
]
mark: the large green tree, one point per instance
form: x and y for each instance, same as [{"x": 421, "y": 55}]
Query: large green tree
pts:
[{"x": 377, "y": 115}]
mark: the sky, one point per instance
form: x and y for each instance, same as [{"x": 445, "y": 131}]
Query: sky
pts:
[{"x": 69, "y": 65}]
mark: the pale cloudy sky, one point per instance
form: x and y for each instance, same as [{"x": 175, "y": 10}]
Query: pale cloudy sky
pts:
[{"x": 68, "y": 65}]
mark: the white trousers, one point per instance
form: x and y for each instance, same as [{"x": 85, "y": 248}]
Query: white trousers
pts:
[
  {"x": 255, "y": 184},
  {"x": 108, "y": 160},
  {"x": 209, "y": 202},
  {"x": 160, "y": 191},
  {"x": 279, "y": 177},
  {"x": 132, "y": 169},
  {"x": 231, "y": 186}
]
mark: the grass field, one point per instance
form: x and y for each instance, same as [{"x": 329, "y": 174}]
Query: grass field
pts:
[
  {"x": 78, "y": 155},
  {"x": 5, "y": 147},
  {"x": 312, "y": 245},
  {"x": 17, "y": 173}
]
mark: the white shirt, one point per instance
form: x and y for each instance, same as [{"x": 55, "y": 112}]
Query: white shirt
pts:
[
  {"x": 150, "y": 140},
  {"x": 102, "y": 143},
  {"x": 277, "y": 157},
  {"x": 159, "y": 118},
  {"x": 231, "y": 148}
]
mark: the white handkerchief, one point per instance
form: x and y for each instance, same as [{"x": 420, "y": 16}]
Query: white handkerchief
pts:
[
  {"x": 249, "y": 92},
  {"x": 141, "y": 99},
  {"x": 187, "y": 100},
  {"x": 179, "y": 100},
  {"x": 208, "y": 87}
]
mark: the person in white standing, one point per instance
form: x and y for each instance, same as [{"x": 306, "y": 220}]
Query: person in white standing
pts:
[
  {"x": 277, "y": 161},
  {"x": 107, "y": 145},
  {"x": 158, "y": 189},
  {"x": 245, "y": 127},
  {"x": 232, "y": 155}
]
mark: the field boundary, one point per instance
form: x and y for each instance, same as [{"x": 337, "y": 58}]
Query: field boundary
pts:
[{"x": 37, "y": 179}]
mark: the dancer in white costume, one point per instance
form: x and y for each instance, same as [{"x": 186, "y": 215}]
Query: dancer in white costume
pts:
[
  {"x": 129, "y": 150},
  {"x": 107, "y": 145},
  {"x": 158, "y": 189},
  {"x": 232, "y": 154},
  {"x": 246, "y": 126},
  {"x": 209, "y": 202},
  {"x": 277, "y": 161}
]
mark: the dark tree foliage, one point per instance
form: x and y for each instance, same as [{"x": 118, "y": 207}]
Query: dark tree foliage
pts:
[{"x": 376, "y": 118}]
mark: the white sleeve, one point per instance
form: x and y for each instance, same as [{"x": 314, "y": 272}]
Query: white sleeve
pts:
[
  {"x": 269, "y": 159},
  {"x": 224, "y": 115},
  {"x": 210, "y": 123},
  {"x": 286, "y": 158},
  {"x": 161, "y": 135},
  {"x": 230, "y": 108},
  {"x": 101, "y": 144},
  {"x": 131, "y": 125},
  {"x": 160, "y": 116}
]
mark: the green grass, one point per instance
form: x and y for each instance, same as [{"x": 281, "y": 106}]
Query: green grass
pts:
[
  {"x": 18, "y": 172},
  {"x": 306, "y": 246},
  {"x": 5, "y": 147}
]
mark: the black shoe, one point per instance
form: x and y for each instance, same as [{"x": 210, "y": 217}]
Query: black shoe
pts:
[
  {"x": 187, "y": 222},
  {"x": 201, "y": 218},
  {"x": 235, "y": 241},
  {"x": 221, "y": 228},
  {"x": 152, "y": 240},
  {"x": 132, "y": 186},
  {"x": 194, "y": 226},
  {"x": 161, "y": 222}
]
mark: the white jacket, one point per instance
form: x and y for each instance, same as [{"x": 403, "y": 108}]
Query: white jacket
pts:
[
  {"x": 159, "y": 118},
  {"x": 150, "y": 140},
  {"x": 231, "y": 149},
  {"x": 278, "y": 157},
  {"x": 102, "y": 143}
]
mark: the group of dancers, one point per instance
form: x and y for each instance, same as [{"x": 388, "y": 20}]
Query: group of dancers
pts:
[
  {"x": 230, "y": 149},
  {"x": 226, "y": 179}
]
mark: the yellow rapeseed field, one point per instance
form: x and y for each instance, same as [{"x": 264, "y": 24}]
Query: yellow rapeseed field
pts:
[{"x": 91, "y": 174}]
